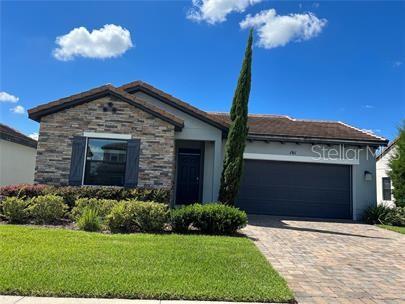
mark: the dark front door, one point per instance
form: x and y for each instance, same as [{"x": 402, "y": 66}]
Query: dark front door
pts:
[
  {"x": 295, "y": 189},
  {"x": 188, "y": 176}
]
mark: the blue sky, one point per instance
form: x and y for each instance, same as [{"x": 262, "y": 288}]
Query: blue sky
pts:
[{"x": 330, "y": 60}]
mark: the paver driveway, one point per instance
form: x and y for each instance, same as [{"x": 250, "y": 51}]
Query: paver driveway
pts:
[{"x": 333, "y": 262}]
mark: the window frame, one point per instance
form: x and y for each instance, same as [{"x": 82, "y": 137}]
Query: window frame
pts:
[
  {"x": 106, "y": 136},
  {"x": 384, "y": 196}
]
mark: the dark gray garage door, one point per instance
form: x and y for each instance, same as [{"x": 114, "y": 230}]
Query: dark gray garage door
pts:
[{"x": 295, "y": 189}]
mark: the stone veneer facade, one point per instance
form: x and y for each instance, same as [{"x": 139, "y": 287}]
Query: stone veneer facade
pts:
[{"x": 157, "y": 152}]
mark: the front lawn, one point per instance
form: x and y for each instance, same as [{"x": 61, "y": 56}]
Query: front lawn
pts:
[
  {"x": 58, "y": 262},
  {"x": 393, "y": 228}
]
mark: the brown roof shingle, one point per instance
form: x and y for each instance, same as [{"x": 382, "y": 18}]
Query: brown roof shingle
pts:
[
  {"x": 285, "y": 126},
  {"x": 10, "y": 134},
  {"x": 71, "y": 101}
]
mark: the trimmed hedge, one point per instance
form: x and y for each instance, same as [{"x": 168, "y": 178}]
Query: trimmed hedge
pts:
[
  {"x": 124, "y": 216},
  {"x": 70, "y": 193},
  {"x": 385, "y": 215},
  {"x": 214, "y": 218},
  {"x": 133, "y": 216},
  {"x": 14, "y": 210},
  {"x": 47, "y": 209}
]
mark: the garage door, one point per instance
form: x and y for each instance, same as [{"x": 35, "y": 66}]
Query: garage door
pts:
[{"x": 295, "y": 189}]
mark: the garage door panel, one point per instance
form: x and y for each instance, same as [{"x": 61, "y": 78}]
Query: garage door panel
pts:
[{"x": 295, "y": 189}]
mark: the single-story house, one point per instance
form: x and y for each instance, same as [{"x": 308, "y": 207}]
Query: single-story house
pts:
[
  {"x": 384, "y": 184},
  {"x": 17, "y": 157},
  {"x": 138, "y": 135}
]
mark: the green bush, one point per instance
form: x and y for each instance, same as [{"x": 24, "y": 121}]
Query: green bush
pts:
[
  {"x": 102, "y": 206},
  {"x": 211, "y": 218},
  {"x": 149, "y": 216},
  {"x": 14, "y": 210},
  {"x": 132, "y": 216},
  {"x": 119, "y": 218},
  {"x": 89, "y": 220},
  {"x": 47, "y": 209},
  {"x": 396, "y": 217},
  {"x": 382, "y": 214},
  {"x": 71, "y": 193},
  {"x": 182, "y": 218}
]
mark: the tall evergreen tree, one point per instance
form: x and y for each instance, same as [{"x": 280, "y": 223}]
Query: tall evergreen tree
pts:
[
  {"x": 397, "y": 166},
  {"x": 238, "y": 130}
]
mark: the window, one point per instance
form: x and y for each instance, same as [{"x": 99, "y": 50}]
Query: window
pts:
[
  {"x": 386, "y": 184},
  {"x": 105, "y": 162}
]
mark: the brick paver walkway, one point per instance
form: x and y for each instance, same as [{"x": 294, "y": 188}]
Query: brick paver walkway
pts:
[{"x": 333, "y": 262}]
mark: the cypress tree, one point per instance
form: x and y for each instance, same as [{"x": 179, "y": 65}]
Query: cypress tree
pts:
[
  {"x": 397, "y": 166},
  {"x": 238, "y": 130}
]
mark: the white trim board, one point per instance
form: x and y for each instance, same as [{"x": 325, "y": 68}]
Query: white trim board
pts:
[
  {"x": 107, "y": 135},
  {"x": 304, "y": 159}
]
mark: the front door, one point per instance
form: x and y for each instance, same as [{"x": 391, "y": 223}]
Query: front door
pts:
[{"x": 188, "y": 176}]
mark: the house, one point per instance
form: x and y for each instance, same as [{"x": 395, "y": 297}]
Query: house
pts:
[
  {"x": 17, "y": 157},
  {"x": 384, "y": 184},
  {"x": 138, "y": 135}
]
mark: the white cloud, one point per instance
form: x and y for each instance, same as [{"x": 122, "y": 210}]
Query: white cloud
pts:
[
  {"x": 367, "y": 106},
  {"x": 34, "y": 135},
  {"x": 275, "y": 30},
  {"x": 6, "y": 97},
  {"x": 109, "y": 41},
  {"x": 315, "y": 4},
  {"x": 215, "y": 11},
  {"x": 18, "y": 110}
]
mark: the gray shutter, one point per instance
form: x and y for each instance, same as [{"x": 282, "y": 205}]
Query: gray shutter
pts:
[
  {"x": 132, "y": 165},
  {"x": 77, "y": 160}
]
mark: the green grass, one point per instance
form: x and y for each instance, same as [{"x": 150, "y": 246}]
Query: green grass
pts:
[
  {"x": 58, "y": 262},
  {"x": 393, "y": 228}
]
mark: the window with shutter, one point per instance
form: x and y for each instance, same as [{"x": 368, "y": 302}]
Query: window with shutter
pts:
[{"x": 386, "y": 184}]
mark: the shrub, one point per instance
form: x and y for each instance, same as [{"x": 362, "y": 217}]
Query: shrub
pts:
[
  {"x": 89, "y": 220},
  {"x": 23, "y": 190},
  {"x": 119, "y": 219},
  {"x": 149, "y": 216},
  {"x": 47, "y": 209},
  {"x": 182, "y": 218},
  {"x": 102, "y": 206},
  {"x": 15, "y": 210},
  {"x": 397, "y": 166},
  {"x": 71, "y": 193},
  {"x": 211, "y": 218},
  {"x": 395, "y": 217},
  {"x": 220, "y": 219},
  {"x": 376, "y": 214},
  {"x": 131, "y": 216},
  {"x": 382, "y": 214}
]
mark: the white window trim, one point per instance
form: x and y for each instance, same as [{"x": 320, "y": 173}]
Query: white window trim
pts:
[
  {"x": 305, "y": 159},
  {"x": 107, "y": 135}
]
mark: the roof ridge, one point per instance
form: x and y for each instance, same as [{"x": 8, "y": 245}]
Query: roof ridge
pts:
[{"x": 362, "y": 131}]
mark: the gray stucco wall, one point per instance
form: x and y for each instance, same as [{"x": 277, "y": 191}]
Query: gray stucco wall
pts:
[{"x": 197, "y": 130}]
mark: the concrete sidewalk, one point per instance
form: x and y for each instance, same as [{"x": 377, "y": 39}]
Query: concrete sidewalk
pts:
[{"x": 48, "y": 300}]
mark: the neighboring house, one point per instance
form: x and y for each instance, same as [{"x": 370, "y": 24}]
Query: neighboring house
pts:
[
  {"x": 17, "y": 157},
  {"x": 384, "y": 184},
  {"x": 137, "y": 135}
]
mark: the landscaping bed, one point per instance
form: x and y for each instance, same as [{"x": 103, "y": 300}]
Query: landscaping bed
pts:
[
  {"x": 393, "y": 228},
  {"x": 59, "y": 262}
]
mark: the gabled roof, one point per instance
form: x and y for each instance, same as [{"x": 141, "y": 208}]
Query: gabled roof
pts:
[
  {"x": 10, "y": 134},
  {"x": 144, "y": 87},
  {"x": 261, "y": 127},
  {"x": 388, "y": 148},
  {"x": 279, "y": 126},
  {"x": 105, "y": 90}
]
